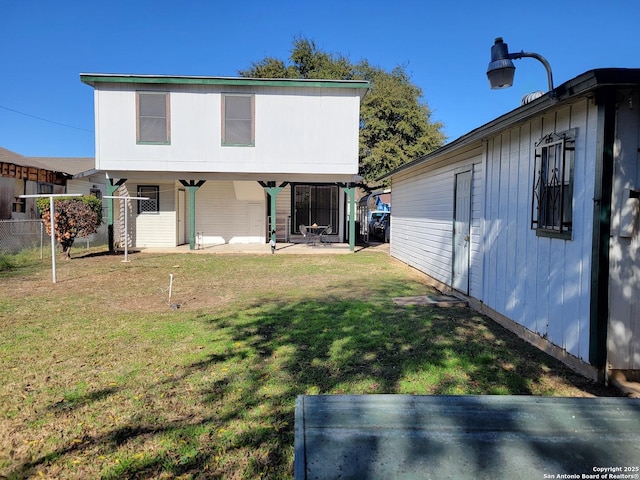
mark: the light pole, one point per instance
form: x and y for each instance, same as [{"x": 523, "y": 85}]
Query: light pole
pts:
[{"x": 501, "y": 69}]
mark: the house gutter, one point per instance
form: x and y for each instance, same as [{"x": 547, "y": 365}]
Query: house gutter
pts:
[{"x": 98, "y": 78}]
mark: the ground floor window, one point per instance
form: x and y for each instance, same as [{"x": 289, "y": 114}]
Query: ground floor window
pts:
[
  {"x": 315, "y": 204},
  {"x": 552, "y": 199},
  {"x": 152, "y": 204}
]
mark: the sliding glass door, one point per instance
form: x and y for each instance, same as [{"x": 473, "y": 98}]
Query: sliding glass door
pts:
[{"x": 315, "y": 204}]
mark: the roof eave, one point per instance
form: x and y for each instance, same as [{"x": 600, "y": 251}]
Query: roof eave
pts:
[{"x": 96, "y": 78}]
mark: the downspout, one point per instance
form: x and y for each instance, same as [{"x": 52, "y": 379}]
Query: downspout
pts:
[{"x": 604, "y": 167}]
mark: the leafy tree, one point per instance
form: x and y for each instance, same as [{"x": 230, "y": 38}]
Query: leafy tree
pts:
[
  {"x": 74, "y": 217},
  {"x": 395, "y": 123}
]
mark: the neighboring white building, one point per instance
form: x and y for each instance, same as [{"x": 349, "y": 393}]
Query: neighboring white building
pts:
[
  {"x": 534, "y": 217},
  {"x": 222, "y": 157}
]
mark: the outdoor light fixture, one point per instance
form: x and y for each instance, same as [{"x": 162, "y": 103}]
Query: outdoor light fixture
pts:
[{"x": 501, "y": 69}]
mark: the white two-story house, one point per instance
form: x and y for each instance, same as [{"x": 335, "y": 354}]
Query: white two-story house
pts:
[{"x": 227, "y": 160}]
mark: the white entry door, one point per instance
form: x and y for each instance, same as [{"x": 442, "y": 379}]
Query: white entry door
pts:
[
  {"x": 462, "y": 232},
  {"x": 181, "y": 216}
]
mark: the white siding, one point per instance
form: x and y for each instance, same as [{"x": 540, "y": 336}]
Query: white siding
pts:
[
  {"x": 624, "y": 283},
  {"x": 540, "y": 283},
  {"x": 422, "y": 231},
  {"x": 297, "y": 130},
  {"x": 223, "y": 218},
  {"x": 146, "y": 229},
  {"x": 477, "y": 227}
]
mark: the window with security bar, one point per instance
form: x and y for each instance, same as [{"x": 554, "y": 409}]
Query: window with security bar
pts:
[
  {"x": 552, "y": 204},
  {"x": 152, "y": 205}
]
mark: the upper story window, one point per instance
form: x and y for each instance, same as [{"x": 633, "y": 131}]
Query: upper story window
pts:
[
  {"x": 152, "y": 205},
  {"x": 153, "y": 118},
  {"x": 552, "y": 204},
  {"x": 238, "y": 120}
]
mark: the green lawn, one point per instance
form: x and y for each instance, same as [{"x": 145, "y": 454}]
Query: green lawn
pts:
[{"x": 102, "y": 378}]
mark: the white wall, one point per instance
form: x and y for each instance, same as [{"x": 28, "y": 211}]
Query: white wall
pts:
[
  {"x": 147, "y": 229},
  {"x": 540, "y": 283},
  {"x": 223, "y": 212},
  {"x": 623, "y": 337},
  {"x": 297, "y": 130},
  {"x": 422, "y": 215}
]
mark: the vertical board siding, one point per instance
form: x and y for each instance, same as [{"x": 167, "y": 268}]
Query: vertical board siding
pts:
[
  {"x": 522, "y": 203},
  {"x": 477, "y": 228},
  {"x": 623, "y": 337},
  {"x": 540, "y": 283}
]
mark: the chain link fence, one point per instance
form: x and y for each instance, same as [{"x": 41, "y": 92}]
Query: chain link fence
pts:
[{"x": 16, "y": 235}]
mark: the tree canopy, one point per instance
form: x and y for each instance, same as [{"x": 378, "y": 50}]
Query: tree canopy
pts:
[
  {"x": 395, "y": 122},
  {"x": 74, "y": 217}
]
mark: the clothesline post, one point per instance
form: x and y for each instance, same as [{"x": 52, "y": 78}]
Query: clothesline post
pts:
[
  {"x": 126, "y": 228},
  {"x": 52, "y": 213}
]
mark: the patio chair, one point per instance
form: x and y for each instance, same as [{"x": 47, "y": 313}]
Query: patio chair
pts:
[
  {"x": 310, "y": 234},
  {"x": 304, "y": 232},
  {"x": 324, "y": 235}
]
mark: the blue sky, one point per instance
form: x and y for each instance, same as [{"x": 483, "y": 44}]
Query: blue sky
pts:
[{"x": 444, "y": 46}]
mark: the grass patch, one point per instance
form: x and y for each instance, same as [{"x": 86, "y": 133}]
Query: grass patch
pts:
[{"x": 100, "y": 377}]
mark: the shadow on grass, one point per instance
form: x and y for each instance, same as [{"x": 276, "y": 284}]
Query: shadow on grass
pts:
[
  {"x": 278, "y": 350},
  {"x": 74, "y": 400}
]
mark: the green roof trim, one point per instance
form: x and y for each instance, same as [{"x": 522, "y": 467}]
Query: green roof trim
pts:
[{"x": 93, "y": 78}]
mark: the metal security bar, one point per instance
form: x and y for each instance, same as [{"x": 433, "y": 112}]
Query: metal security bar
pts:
[{"x": 551, "y": 208}]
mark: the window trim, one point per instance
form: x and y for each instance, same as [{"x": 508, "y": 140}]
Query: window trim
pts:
[
  {"x": 252, "y": 141},
  {"x": 562, "y": 182},
  {"x": 143, "y": 203},
  {"x": 167, "y": 118}
]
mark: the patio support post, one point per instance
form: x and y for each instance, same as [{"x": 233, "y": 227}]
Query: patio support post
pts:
[
  {"x": 272, "y": 191},
  {"x": 350, "y": 190},
  {"x": 192, "y": 186},
  {"x": 111, "y": 190}
]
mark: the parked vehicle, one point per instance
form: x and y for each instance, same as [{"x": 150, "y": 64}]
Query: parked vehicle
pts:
[
  {"x": 374, "y": 217},
  {"x": 380, "y": 228}
]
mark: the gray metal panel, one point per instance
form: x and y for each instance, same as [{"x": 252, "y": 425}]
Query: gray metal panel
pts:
[{"x": 405, "y": 436}]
